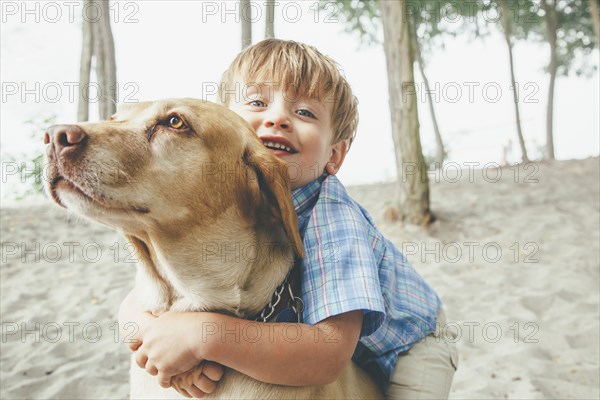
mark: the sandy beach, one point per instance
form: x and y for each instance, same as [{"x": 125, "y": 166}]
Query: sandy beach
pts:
[{"x": 514, "y": 255}]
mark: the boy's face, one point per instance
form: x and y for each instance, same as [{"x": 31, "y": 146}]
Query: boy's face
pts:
[{"x": 298, "y": 130}]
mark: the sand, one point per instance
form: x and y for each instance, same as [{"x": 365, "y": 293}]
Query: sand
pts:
[{"x": 514, "y": 258}]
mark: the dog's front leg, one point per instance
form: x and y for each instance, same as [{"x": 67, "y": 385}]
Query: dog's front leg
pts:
[{"x": 152, "y": 293}]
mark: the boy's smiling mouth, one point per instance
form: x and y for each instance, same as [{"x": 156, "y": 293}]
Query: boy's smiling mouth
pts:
[{"x": 278, "y": 144}]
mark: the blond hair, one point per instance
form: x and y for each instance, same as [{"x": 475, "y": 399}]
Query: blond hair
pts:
[{"x": 302, "y": 69}]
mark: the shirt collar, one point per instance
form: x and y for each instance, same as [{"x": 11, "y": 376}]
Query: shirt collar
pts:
[{"x": 304, "y": 197}]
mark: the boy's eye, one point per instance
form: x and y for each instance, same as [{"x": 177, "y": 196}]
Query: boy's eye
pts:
[
  {"x": 257, "y": 103},
  {"x": 306, "y": 113}
]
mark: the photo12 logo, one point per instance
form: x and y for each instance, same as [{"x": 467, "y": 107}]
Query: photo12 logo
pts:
[
  {"x": 256, "y": 11},
  {"x": 471, "y": 92},
  {"x": 68, "y": 331},
  {"x": 53, "y": 252},
  {"x": 54, "y": 92},
  {"x": 68, "y": 11}
]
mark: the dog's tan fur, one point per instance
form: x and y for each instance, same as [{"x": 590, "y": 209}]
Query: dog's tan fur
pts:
[{"x": 182, "y": 196}]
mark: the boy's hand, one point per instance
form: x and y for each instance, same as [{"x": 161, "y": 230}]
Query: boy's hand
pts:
[
  {"x": 169, "y": 345},
  {"x": 199, "y": 381},
  {"x": 195, "y": 382}
]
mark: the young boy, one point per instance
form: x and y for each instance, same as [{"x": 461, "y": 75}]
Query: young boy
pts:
[{"x": 357, "y": 287}]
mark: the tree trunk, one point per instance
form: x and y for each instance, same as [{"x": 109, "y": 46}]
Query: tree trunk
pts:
[
  {"x": 85, "y": 68},
  {"x": 109, "y": 95},
  {"x": 104, "y": 53},
  {"x": 440, "y": 152},
  {"x": 413, "y": 184},
  {"x": 98, "y": 43},
  {"x": 507, "y": 37},
  {"x": 269, "y": 24},
  {"x": 551, "y": 17},
  {"x": 246, "y": 20},
  {"x": 595, "y": 19}
]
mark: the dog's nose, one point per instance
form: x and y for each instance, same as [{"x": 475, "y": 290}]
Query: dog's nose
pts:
[{"x": 64, "y": 137}]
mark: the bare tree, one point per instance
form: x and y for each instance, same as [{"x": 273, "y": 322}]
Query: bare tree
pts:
[
  {"x": 440, "y": 152},
  {"x": 506, "y": 25},
  {"x": 269, "y": 22},
  {"x": 567, "y": 27},
  {"x": 595, "y": 19},
  {"x": 246, "y": 20},
  {"x": 364, "y": 18},
  {"x": 98, "y": 43},
  {"x": 551, "y": 17},
  {"x": 413, "y": 183},
  {"x": 85, "y": 68},
  {"x": 105, "y": 62}
]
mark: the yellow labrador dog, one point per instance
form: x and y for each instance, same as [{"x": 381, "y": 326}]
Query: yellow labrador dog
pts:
[{"x": 180, "y": 179}]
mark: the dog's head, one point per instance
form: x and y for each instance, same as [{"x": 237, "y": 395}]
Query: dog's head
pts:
[{"x": 166, "y": 165}]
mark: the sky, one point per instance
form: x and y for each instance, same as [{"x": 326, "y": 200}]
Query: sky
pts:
[{"x": 167, "y": 49}]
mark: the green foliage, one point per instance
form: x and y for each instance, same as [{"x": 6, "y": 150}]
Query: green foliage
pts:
[
  {"x": 31, "y": 171},
  {"x": 523, "y": 17},
  {"x": 575, "y": 38},
  {"x": 435, "y": 20},
  {"x": 575, "y": 34},
  {"x": 432, "y": 19},
  {"x": 33, "y": 177}
]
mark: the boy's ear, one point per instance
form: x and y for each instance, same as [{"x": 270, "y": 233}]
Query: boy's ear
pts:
[{"x": 338, "y": 154}]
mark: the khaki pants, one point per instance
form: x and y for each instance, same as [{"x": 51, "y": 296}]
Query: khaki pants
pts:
[{"x": 426, "y": 370}]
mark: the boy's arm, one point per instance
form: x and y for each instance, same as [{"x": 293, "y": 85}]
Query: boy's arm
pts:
[
  {"x": 286, "y": 354},
  {"x": 278, "y": 353}
]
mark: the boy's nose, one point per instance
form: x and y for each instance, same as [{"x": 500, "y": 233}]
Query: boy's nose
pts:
[
  {"x": 279, "y": 125},
  {"x": 278, "y": 121}
]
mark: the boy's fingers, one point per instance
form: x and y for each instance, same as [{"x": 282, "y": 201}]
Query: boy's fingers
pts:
[
  {"x": 134, "y": 344},
  {"x": 213, "y": 371},
  {"x": 141, "y": 359},
  {"x": 205, "y": 384},
  {"x": 182, "y": 391},
  {"x": 179, "y": 383},
  {"x": 151, "y": 369},
  {"x": 195, "y": 392},
  {"x": 164, "y": 380}
]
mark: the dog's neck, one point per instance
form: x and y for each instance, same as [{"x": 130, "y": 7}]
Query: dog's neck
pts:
[{"x": 233, "y": 269}]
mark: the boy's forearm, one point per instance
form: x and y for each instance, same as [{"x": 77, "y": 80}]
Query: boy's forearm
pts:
[{"x": 281, "y": 353}]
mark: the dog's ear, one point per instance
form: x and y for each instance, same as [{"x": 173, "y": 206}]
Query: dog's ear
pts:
[{"x": 272, "y": 188}]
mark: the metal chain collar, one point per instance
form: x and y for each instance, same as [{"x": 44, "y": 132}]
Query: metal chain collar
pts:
[
  {"x": 296, "y": 303},
  {"x": 269, "y": 309}
]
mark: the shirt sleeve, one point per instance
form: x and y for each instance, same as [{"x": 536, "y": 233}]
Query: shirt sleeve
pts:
[{"x": 340, "y": 270}]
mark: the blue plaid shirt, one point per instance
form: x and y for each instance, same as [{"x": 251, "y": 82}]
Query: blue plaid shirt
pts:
[{"x": 348, "y": 266}]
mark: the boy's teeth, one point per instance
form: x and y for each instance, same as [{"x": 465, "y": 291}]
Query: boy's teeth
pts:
[{"x": 278, "y": 146}]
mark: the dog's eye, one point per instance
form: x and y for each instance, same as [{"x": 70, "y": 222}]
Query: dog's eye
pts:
[{"x": 175, "y": 122}]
